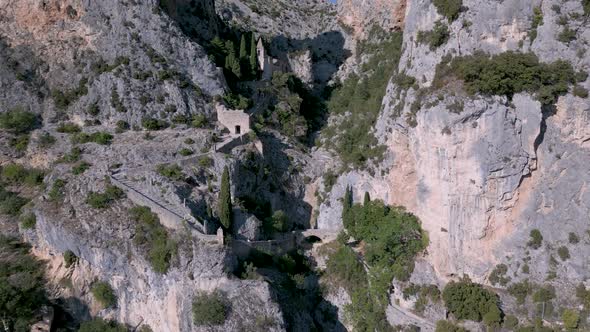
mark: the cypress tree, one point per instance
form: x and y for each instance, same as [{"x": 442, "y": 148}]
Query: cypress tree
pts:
[
  {"x": 225, "y": 205},
  {"x": 367, "y": 198},
  {"x": 253, "y": 55},
  {"x": 243, "y": 53},
  {"x": 347, "y": 203}
]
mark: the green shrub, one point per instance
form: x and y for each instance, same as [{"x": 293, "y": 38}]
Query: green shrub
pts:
[
  {"x": 210, "y": 309},
  {"x": 510, "y": 322},
  {"x": 566, "y": 35},
  {"x": 446, "y": 326},
  {"x": 154, "y": 124},
  {"x": 173, "y": 172},
  {"x": 15, "y": 174},
  {"x": 467, "y": 300},
  {"x": 93, "y": 110},
  {"x": 544, "y": 294},
  {"x": 448, "y": 8},
  {"x": 21, "y": 284},
  {"x": 102, "y": 138},
  {"x": 520, "y": 291},
  {"x": 11, "y": 203},
  {"x": 536, "y": 239},
  {"x": 153, "y": 237},
  {"x": 236, "y": 101},
  {"x": 537, "y": 20},
  {"x": 563, "y": 253},
  {"x": 122, "y": 125},
  {"x": 507, "y": 74},
  {"x": 570, "y": 318},
  {"x": 580, "y": 91},
  {"x": 573, "y": 238},
  {"x": 28, "y": 221},
  {"x": 68, "y": 128},
  {"x": 280, "y": 222},
  {"x": 205, "y": 161},
  {"x": 57, "y": 191},
  {"x": 199, "y": 121},
  {"x": 100, "y": 325},
  {"x": 104, "y": 294},
  {"x": 80, "y": 168},
  {"x": 73, "y": 156},
  {"x": 185, "y": 152},
  {"x": 46, "y": 140},
  {"x": 20, "y": 143},
  {"x": 498, "y": 275},
  {"x": 19, "y": 121},
  {"x": 69, "y": 258},
  {"x": 105, "y": 199},
  {"x": 435, "y": 38}
]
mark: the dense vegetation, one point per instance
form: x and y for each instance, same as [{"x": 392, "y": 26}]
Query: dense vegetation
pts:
[
  {"x": 210, "y": 309},
  {"x": 392, "y": 238},
  {"x": 19, "y": 123},
  {"x": 468, "y": 300},
  {"x": 153, "y": 238},
  {"x": 358, "y": 102},
  {"x": 97, "y": 137},
  {"x": 21, "y": 285},
  {"x": 507, "y": 74}
]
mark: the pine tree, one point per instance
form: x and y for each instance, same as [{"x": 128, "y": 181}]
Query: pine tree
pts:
[
  {"x": 253, "y": 55},
  {"x": 367, "y": 198},
  {"x": 243, "y": 53},
  {"x": 225, "y": 205}
]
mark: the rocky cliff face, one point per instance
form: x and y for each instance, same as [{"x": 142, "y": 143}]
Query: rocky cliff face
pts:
[{"x": 483, "y": 177}]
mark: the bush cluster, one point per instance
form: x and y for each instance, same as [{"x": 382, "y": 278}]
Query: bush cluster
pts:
[
  {"x": 509, "y": 73},
  {"x": 449, "y": 8},
  {"x": 105, "y": 199},
  {"x": 468, "y": 300},
  {"x": 153, "y": 237},
  {"x": 435, "y": 38},
  {"x": 19, "y": 121},
  {"x": 154, "y": 124},
  {"x": 18, "y": 175},
  {"x": 536, "y": 239},
  {"x": 104, "y": 294},
  {"x": 173, "y": 172},
  {"x": 102, "y": 138},
  {"x": 210, "y": 309}
]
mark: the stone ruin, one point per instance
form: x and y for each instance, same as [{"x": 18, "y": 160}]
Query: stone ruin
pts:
[{"x": 236, "y": 121}]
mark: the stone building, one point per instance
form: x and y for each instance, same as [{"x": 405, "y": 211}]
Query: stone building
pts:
[{"x": 236, "y": 121}]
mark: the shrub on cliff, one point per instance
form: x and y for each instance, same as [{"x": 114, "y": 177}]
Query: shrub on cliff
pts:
[
  {"x": 536, "y": 239},
  {"x": 105, "y": 199},
  {"x": 104, "y": 294},
  {"x": 446, "y": 326},
  {"x": 21, "y": 285},
  {"x": 210, "y": 309},
  {"x": 101, "y": 325},
  {"x": 448, "y": 8},
  {"x": 508, "y": 73},
  {"x": 19, "y": 121},
  {"x": 435, "y": 38},
  {"x": 468, "y": 300},
  {"x": 153, "y": 237}
]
